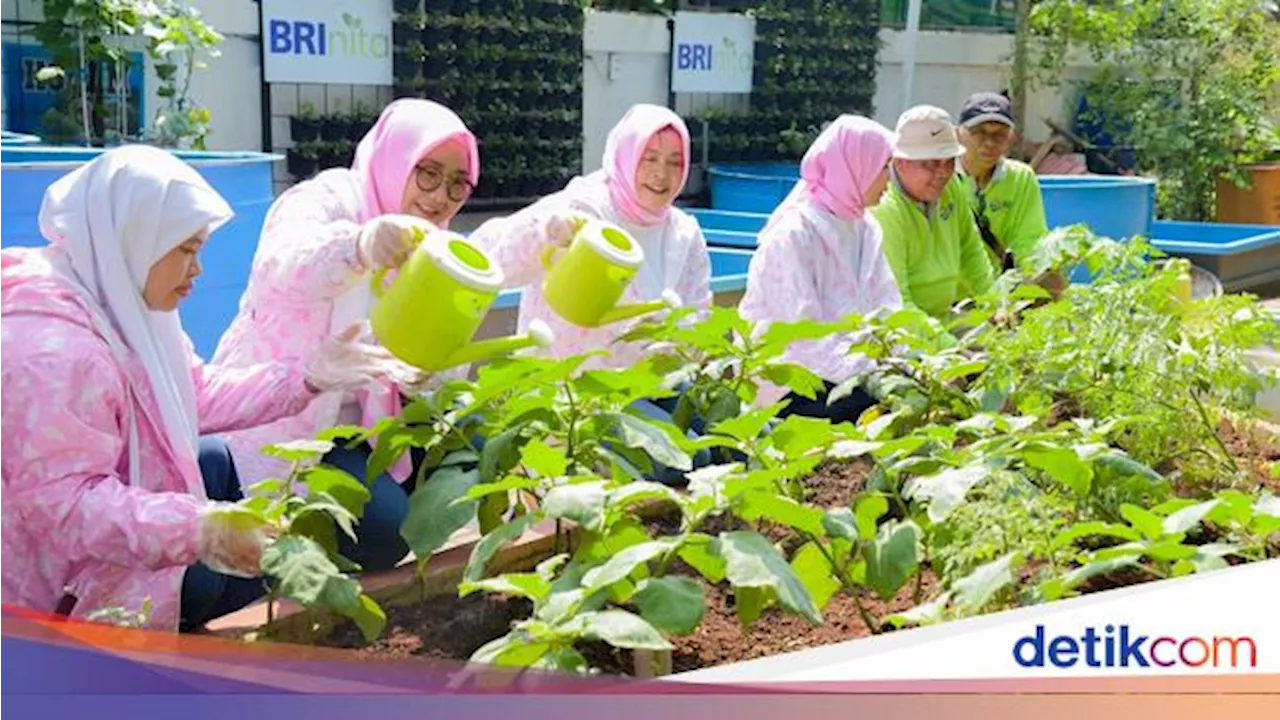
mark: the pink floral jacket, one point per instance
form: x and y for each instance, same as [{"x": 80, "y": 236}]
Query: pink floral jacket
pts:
[
  {"x": 812, "y": 265},
  {"x": 676, "y": 258},
  {"x": 305, "y": 262},
  {"x": 72, "y": 523}
]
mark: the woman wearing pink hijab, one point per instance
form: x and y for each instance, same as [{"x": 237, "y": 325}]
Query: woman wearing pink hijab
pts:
[
  {"x": 322, "y": 240},
  {"x": 820, "y": 258},
  {"x": 646, "y": 165}
]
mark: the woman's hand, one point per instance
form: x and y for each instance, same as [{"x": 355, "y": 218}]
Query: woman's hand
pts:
[
  {"x": 561, "y": 228},
  {"x": 387, "y": 240},
  {"x": 346, "y": 362},
  {"x": 232, "y": 539}
]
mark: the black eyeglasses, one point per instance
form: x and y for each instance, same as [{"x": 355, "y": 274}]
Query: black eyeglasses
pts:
[{"x": 429, "y": 178}]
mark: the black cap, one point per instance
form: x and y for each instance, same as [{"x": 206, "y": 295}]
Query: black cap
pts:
[{"x": 986, "y": 107}]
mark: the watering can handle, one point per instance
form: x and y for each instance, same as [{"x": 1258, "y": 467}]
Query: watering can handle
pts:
[
  {"x": 548, "y": 253},
  {"x": 577, "y": 222},
  {"x": 378, "y": 281}
]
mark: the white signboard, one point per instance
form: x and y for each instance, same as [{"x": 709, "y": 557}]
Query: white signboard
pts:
[
  {"x": 713, "y": 53},
  {"x": 337, "y": 41}
]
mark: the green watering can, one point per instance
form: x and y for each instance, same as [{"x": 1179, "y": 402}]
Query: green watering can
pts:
[
  {"x": 584, "y": 284},
  {"x": 437, "y": 302}
]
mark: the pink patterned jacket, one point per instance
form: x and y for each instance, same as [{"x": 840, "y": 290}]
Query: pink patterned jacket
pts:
[
  {"x": 676, "y": 258},
  {"x": 812, "y": 265},
  {"x": 305, "y": 262},
  {"x": 71, "y": 522}
]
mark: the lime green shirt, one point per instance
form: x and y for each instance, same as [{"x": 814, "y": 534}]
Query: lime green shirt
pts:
[
  {"x": 1012, "y": 205},
  {"x": 935, "y": 251}
]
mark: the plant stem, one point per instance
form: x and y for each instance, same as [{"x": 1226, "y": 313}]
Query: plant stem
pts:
[
  {"x": 572, "y": 424},
  {"x": 848, "y": 584},
  {"x": 1213, "y": 431}
]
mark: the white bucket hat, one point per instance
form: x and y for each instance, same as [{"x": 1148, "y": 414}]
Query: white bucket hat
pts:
[{"x": 926, "y": 132}]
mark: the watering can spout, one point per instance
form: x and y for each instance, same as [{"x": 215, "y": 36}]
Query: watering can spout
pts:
[
  {"x": 539, "y": 334},
  {"x": 625, "y": 312}
]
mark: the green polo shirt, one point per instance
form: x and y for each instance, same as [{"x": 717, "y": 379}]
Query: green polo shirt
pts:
[
  {"x": 935, "y": 251},
  {"x": 1012, "y": 205}
]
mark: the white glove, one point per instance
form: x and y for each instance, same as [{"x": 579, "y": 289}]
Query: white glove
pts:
[
  {"x": 231, "y": 540},
  {"x": 387, "y": 240},
  {"x": 346, "y": 362},
  {"x": 560, "y": 229}
]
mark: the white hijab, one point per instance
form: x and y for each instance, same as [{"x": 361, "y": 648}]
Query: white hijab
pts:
[{"x": 109, "y": 222}]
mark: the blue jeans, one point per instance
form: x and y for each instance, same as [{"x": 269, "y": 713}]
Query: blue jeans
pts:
[
  {"x": 663, "y": 410},
  {"x": 847, "y": 409},
  {"x": 207, "y": 594},
  {"x": 378, "y": 545}
]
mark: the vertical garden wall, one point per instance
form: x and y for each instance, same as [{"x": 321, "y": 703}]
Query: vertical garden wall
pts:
[
  {"x": 814, "y": 59},
  {"x": 512, "y": 69}
]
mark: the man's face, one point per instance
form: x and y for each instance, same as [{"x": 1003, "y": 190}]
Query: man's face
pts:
[
  {"x": 925, "y": 180},
  {"x": 987, "y": 143}
]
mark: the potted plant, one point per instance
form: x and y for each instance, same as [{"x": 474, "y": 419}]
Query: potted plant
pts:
[
  {"x": 1256, "y": 200},
  {"x": 303, "y": 159},
  {"x": 334, "y": 126},
  {"x": 407, "y": 28},
  {"x": 405, "y": 6},
  {"x": 363, "y": 117},
  {"x": 335, "y": 154},
  {"x": 1190, "y": 128},
  {"x": 306, "y": 124},
  {"x": 437, "y": 34}
]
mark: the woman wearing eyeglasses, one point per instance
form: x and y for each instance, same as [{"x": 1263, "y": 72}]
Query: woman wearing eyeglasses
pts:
[{"x": 322, "y": 241}]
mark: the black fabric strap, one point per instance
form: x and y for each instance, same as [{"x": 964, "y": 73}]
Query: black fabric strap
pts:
[{"x": 984, "y": 229}]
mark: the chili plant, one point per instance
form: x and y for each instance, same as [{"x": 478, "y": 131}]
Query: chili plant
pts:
[{"x": 302, "y": 562}]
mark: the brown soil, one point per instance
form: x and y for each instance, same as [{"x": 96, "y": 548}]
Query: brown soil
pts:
[
  {"x": 1255, "y": 448},
  {"x": 720, "y": 639},
  {"x": 448, "y": 627},
  {"x": 444, "y": 627},
  {"x": 835, "y": 484}
]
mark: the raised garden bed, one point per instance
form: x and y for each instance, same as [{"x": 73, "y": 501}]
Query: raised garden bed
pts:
[
  {"x": 427, "y": 619},
  {"x": 1020, "y": 453}
]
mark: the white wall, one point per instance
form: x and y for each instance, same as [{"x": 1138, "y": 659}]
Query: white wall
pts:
[
  {"x": 950, "y": 66},
  {"x": 625, "y": 61}
]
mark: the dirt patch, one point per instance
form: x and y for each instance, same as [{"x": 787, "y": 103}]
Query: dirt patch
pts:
[
  {"x": 448, "y": 627},
  {"x": 836, "y": 484},
  {"x": 444, "y": 627},
  {"x": 1256, "y": 447},
  {"x": 720, "y": 639}
]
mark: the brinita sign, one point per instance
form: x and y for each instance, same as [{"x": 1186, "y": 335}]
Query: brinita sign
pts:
[
  {"x": 713, "y": 53},
  {"x": 348, "y": 41}
]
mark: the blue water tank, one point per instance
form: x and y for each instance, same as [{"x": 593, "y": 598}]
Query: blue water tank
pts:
[
  {"x": 1113, "y": 206},
  {"x": 751, "y": 188},
  {"x": 243, "y": 178},
  {"x": 12, "y": 139}
]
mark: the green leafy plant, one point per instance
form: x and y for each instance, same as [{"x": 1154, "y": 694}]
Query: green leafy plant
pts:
[
  {"x": 90, "y": 40},
  {"x": 1019, "y": 453},
  {"x": 1187, "y": 83},
  {"x": 303, "y": 563}
]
